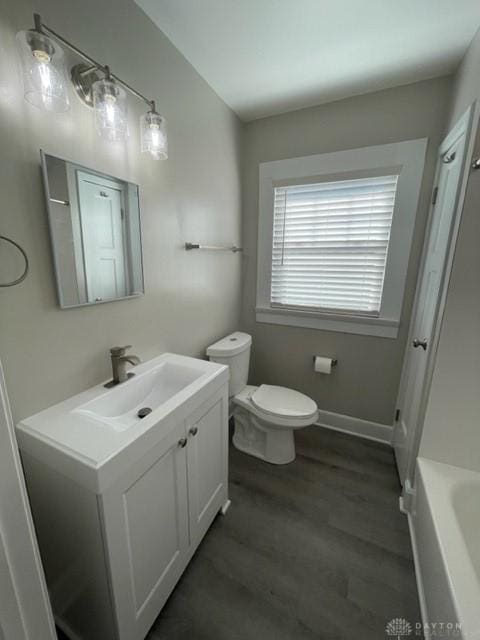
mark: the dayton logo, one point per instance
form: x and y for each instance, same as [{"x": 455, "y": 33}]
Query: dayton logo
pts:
[{"x": 398, "y": 628}]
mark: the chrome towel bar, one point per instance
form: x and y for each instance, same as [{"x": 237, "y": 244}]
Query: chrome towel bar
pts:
[{"x": 212, "y": 247}]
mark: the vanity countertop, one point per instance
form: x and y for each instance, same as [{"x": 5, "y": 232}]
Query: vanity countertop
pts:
[{"x": 91, "y": 448}]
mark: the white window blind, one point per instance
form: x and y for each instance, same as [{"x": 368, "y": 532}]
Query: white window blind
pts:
[{"x": 330, "y": 244}]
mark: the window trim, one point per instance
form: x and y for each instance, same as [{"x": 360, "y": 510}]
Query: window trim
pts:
[{"x": 405, "y": 158}]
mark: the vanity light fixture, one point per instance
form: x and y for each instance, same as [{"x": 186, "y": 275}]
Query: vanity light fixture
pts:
[
  {"x": 153, "y": 129},
  {"x": 110, "y": 105},
  {"x": 46, "y": 83},
  {"x": 43, "y": 67}
]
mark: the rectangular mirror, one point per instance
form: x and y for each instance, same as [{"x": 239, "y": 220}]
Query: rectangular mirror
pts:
[{"x": 95, "y": 231}]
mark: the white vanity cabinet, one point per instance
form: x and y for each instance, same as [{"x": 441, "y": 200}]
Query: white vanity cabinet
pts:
[
  {"x": 207, "y": 456},
  {"x": 156, "y": 514},
  {"x": 147, "y": 538},
  {"x": 113, "y": 553}
]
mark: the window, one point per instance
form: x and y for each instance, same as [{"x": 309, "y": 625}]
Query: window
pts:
[
  {"x": 330, "y": 243},
  {"x": 334, "y": 238}
]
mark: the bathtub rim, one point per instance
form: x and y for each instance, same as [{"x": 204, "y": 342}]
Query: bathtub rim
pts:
[{"x": 439, "y": 481}]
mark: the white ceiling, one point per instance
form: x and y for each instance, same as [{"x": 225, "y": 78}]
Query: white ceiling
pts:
[{"x": 269, "y": 56}]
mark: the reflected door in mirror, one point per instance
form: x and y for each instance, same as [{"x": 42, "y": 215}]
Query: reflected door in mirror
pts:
[
  {"x": 102, "y": 221},
  {"x": 95, "y": 229}
]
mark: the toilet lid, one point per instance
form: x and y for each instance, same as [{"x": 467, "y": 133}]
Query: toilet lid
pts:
[{"x": 281, "y": 401}]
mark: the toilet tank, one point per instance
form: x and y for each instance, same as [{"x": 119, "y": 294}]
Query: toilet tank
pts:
[{"x": 233, "y": 350}]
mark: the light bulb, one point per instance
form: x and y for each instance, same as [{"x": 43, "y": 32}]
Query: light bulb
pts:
[
  {"x": 41, "y": 56},
  {"x": 45, "y": 74},
  {"x": 110, "y": 112},
  {"x": 154, "y": 140},
  {"x": 43, "y": 71},
  {"x": 109, "y": 103}
]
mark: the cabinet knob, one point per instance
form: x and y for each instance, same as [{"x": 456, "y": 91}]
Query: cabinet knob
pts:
[
  {"x": 182, "y": 442},
  {"x": 193, "y": 431}
]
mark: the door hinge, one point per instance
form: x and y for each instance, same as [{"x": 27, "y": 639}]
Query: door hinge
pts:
[
  {"x": 435, "y": 195},
  {"x": 397, "y": 415}
]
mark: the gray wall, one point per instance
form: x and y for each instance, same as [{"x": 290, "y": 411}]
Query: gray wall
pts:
[
  {"x": 366, "y": 381},
  {"x": 451, "y": 431},
  {"x": 466, "y": 85},
  {"x": 191, "y": 298}
]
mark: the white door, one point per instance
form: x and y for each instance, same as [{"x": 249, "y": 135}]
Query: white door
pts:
[
  {"x": 101, "y": 215},
  {"x": 424, "y": 326},
  {"x": 207, "y": 454},
  {"x": 145, "y": 515},
  {"x": 25, "y": 612}
]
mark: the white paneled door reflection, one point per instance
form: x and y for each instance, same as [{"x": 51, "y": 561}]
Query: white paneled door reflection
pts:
[{"x": 103, "y": 237}]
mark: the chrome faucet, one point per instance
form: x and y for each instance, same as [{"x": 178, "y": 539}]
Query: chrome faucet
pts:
[{"x": 119, "y": 365}]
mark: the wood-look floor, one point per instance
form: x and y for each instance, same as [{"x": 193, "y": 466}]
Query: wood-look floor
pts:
[{"x": 313, "y": 549}]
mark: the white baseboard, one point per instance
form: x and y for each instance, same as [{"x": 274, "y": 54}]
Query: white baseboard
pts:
[
  {"x": 225, "y": 507},
  {"x": 61, "y": 624},
  {"x": 418, "y": 577},
  {"x": 355, "y": 426},
  {"x": 408, "y": 497}
]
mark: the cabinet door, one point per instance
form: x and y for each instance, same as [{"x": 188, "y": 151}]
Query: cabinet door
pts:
[
  {"x": 146, "y": 534},
  {"x": 207, "y": 461}
]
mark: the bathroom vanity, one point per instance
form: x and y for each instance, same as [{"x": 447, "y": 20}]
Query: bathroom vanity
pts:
[{"x": 121, "y": 502}]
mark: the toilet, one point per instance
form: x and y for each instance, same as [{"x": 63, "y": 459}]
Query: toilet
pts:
[{"x": 266, "y": 416}]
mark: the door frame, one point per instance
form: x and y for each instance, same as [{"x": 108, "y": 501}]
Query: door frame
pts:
[
  {"x": 468, "y": 125},
  {"x": 26, "y": 611}
]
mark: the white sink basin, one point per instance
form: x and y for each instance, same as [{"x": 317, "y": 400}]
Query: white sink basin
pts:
[
  {"x": 96, "y": 435},
  {"x": 120, "y": 405}
]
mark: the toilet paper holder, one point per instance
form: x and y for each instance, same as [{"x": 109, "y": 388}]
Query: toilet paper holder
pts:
[{"x": 334, "y": 361}]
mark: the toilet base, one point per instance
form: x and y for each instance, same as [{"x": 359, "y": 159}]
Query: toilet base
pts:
[{"x": 258, "y": 438}]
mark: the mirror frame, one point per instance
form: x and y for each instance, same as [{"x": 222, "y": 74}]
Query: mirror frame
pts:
[{"x": 43, "y": 157}]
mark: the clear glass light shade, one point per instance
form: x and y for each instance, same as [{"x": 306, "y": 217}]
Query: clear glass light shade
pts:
[
  {"x": 110, "y": 106},
  {"x": 153, "y": 129},
  {"x": 44, "y": 76}
]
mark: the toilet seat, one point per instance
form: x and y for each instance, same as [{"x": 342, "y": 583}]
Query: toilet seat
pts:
[
  {"x": 265, "y": 432},
  {"x": 283, "y": 402},
  {"x": 273, "y": 416}
]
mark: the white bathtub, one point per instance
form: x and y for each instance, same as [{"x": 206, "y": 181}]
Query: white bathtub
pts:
[{"x": 445, "y": 531}]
